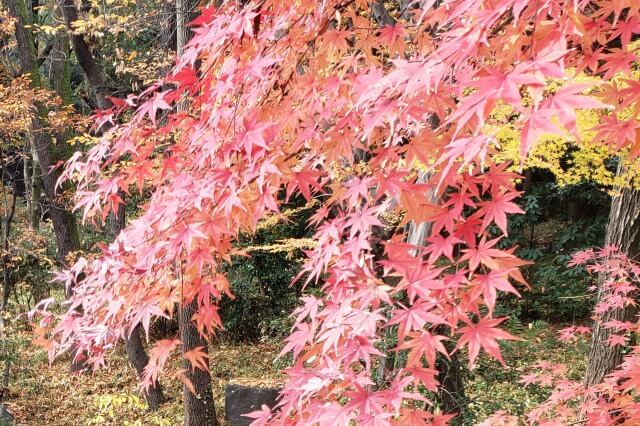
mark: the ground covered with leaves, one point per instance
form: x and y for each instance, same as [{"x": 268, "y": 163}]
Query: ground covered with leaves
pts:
[
  {"x": 40, "y": 395},
  {"x": 43, "y": 395},
  {"x": 491, "y": 388}
]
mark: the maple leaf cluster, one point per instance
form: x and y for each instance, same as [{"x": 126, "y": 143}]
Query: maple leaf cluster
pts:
[
  {"x": 613, "y": 400},
  {"x": 290, "y": 98}
]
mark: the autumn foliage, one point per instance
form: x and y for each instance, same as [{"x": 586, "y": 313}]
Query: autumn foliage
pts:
[
  {"x": 612, "y": 401},
  {"x": 311, "y": 99}
]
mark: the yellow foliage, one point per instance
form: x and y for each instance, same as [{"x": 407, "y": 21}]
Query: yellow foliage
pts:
[
  {"x": 7, "y": 24},
  {"x": 83, "y": 139},
  {"x": 48, "y": 29},
  {"x": 18, "y": 105},
  {"x": 288, "y": 245},
  {"x": 570, "y": 160},
  {"x": 287, "y": 214},
  {"x": 112, "y": 406}
]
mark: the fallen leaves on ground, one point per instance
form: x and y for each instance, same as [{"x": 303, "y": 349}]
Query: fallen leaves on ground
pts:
[{"x": 43, "y": 395}]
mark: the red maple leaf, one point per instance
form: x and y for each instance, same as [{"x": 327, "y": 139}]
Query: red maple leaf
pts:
[
  {"x": 424, "y": 344},
  {"x": 496, "y": 209},
  {"x": 484, "y": 254},
  {"x": 153, "y": 105},
  {"x": 483, "y": 335},
  {"x": 488, "y": 284},
  {"x": 440, "y": 245}
]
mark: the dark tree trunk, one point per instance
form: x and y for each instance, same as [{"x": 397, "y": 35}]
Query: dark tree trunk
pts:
[
  {"x": 64, "y": 223},
  {"x": 36, "y": 192},
  {"x": 381, "y": 14},
  {"x": 7, "y": 219},
  {"x": 623, "y": 231},
  {"x": 450, "y": 372},
  {"x": 7, "y": 283},
  {"x": 186, "y": 11},
  {"x": 32, "y": 186},
  {"x": 139, "y": 359},
  {"x": 116, "y": 223},
  {"x": 86, "y": 60},
  {"x": 133, "y": 344},
  {"x": 60, "y": 80},
  {"x": 451, "y": 392},
  {"x": 168, "y": 39},
  {"x": 199, "y": 409}
]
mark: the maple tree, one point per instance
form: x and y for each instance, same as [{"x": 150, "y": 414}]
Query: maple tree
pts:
[
  {"x": 287, "y": 99},
  {"x": 611, "y": 400}
]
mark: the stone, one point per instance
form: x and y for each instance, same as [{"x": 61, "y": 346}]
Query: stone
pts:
[
  {"x": 239, "y": 400},
  {"x": 6, "y": 418}
]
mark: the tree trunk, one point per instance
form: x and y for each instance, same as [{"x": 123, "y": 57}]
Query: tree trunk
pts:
[
  {"x": 133, "y": 344},
  {"x": 168, "y": 39},
  {"x": 381, "y": 14},
  {"x": 623, "y": 231},
  {"x": 9, "y": 211},
  {"x": 33, "y": 186},
  {"x": 27, "y": 175},
  {"x": 139, "y": 359},
  {"x": 451, "y": 392},
  {"x": 87, "y": 62},
  {"x": 60, "y": 73},
  {"x": 7, "y": 284},
  {"x": 116, "y": 223},
  {"x": 64, "y": 223},
  {"x": 185, "y": 13},
  {"x": 36, "y": 193},
  {"x": 199, "y": 409}
]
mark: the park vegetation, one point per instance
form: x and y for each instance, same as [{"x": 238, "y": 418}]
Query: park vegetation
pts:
[{"x": 407, "y": 212}]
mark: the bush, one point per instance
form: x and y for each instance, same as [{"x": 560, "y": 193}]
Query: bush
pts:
[
  {"x": 261, "y": 283},
  {"x": 549, "y": 236}
]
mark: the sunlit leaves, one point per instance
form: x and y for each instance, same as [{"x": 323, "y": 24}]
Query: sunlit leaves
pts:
[{"x": 383, "y": 127}]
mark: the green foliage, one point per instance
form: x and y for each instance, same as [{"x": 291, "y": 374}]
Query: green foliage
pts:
[
  {"x": 261, "y": 281},
  {"x": 558, "y": 221},
  {"x": 264, "y": 298},
  {"x": 557, "y": 293}
]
